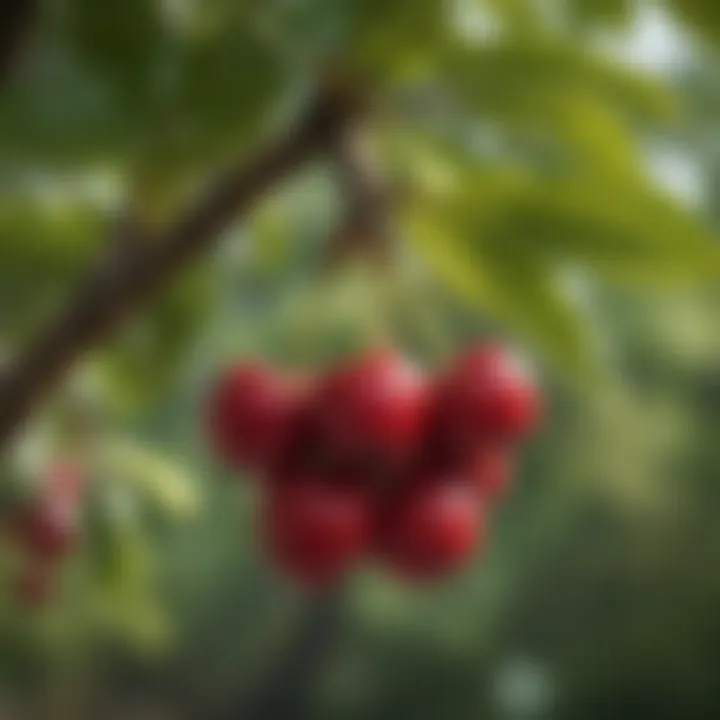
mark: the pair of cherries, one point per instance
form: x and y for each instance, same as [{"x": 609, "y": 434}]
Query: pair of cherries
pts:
[
  {"x": 45, "y": 528},
  {"x": 373, "y": 458}
]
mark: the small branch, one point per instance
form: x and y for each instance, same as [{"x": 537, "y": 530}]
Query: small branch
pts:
[
  {"x": 364, "y": 227},
  {"x": 17, "y": 18},
  {"x": 119, "y": 285},
  {"x": 287, "y": 690}
]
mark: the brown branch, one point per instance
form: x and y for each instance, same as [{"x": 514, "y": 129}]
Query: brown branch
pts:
[
  {"x": 286, "y": 692},
  {"x": 364, "y": 226},
  {"x": 17, "y": 18},
  {"x": 115, "y": 289}
]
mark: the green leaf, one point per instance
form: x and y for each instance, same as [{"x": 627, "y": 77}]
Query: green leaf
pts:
[
  {"x": 121, "y": 559},
  {"x": 623, "y": 232},
  {"x": 227, "y": 82},
  {"x": 389, "y": 40},
  {"x": 506, "y": 76},
  {"x": 596, "y": 137},
  {"x": 603, "y": 12},
  {"x": 615, "y": 225},
  {"x": 147, "y": 357},
  {"x": 501, "y": 240},
  {"x": 272, "y": 229},
  {"x": 46, "y": 244},
  {"x": 517, "y": 293},
  {"x": 160, "y": 479},
  {"x": 112, "y": 522},
  {"x": 119, "y": 40},
  {"x": 518, "y": 17},
  {"x": 574, "y": 133},
  {"x": 63, "y": 116},
  {"x": 530, "y": 297},
  {"x": 700, "y": 16}
]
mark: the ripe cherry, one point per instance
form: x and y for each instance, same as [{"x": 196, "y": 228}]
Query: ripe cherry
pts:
[
  {"x": 48, "y": 528},
  {"x": 431, "y": 529},
  {"x": 65, "y": 479},
  {"x": 487, "y": 395},
  {"x": 372, "y": 410},
  {"x": 248, "y": 414},
  {"x": 316, "y": 529}
]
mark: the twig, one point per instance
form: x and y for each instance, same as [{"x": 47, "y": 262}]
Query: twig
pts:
[
  {"x": 286, "y": 691},
  {"x": 115, "y": 289},
  {"x": 364, "y": 226}
]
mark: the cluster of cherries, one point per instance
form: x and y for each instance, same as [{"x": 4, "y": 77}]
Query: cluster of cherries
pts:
[
  {"x": 374, "y": 459},
  {"x": 45, "y": 529}
]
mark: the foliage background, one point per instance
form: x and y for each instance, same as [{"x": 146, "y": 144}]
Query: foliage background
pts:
[{"x": 557, "y": 169}]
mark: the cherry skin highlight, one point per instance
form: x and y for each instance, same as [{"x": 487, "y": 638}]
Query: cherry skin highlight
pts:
[
  {"x": 48, "y": 528},
  {"x": 373, "y": 410},
  {"x": 487, "y": 395}
]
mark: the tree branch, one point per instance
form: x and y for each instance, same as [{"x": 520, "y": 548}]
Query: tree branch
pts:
[
  {"x": 123, "y": 281},
  {"x": 364, "y": 226},
  {"x": 286, "y": 691}
]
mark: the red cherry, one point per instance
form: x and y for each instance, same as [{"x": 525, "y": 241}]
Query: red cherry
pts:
[
  {"x": 66, "y": 479},
  {"x": 431, "y": 529},
  {"x": 248, "y": 414},
  {"x": 36, "y": 585},
  {"x": 487, "y": 395},
  {"x": 48, "y": 528},
  {"x": 372, "y": 410},
  {"x": 316, "y": 529}
]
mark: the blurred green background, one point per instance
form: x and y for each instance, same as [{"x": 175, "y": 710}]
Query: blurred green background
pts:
[{"x": 557, "y": 168}]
